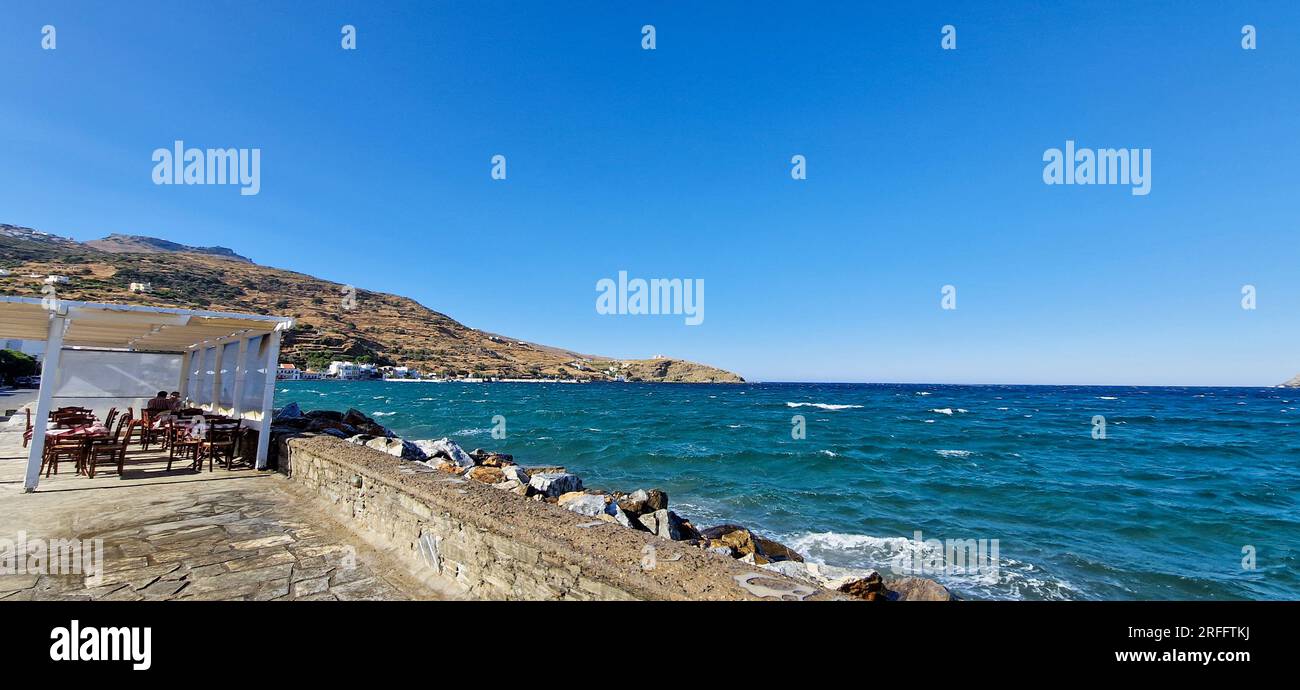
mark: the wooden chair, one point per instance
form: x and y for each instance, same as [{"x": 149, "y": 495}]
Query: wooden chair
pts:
[
  {"x": 27, "y": 434},
  {"x": 183, "y": 442},
  {"x": 108, "y": 418},
  {"x": 57, "y": 448},
  {"x": 112, "y": 449},
  {"x": 220, "y": 441}
]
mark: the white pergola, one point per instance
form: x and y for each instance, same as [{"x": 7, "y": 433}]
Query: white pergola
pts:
[{"x": 211, "y": 347}]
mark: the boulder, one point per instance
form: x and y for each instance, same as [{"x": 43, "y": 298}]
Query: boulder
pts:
[
  {"x": 364, "y": 424},
  {"x": 326, "y": 415},
  {"x": 743, "y": 543},
  {"x": 397, "y": 447},
  {"x": 497, "y": 460},
  {"x": 290, "y": 411},
  {"x": 545, "y": 469},
  {"x": 512, "y": 486},
  {"x": 667, "y": 524},
  {"x": 592, "y": 505},
  {"x": 640, "y": 502},
  {"x": 359, "y": 439},
  {"x": 554, "y": 484},
  {"x": 871, "y": 588},
  {"x": 487, "y": 475},
  {"x": 516, "y": 473},
  {"x": 448, "y": 450},
  {"x": 917, "y": 589},
  {"x": 336, "y": 433}
]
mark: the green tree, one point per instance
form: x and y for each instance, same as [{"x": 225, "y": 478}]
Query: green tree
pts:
[{"x": 14, "y": 364}]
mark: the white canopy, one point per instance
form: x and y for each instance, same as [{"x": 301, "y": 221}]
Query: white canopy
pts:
[{"x": 219, "y": 354}]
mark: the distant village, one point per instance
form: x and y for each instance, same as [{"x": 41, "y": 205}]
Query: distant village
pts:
[{"x": 360, "y": 371}]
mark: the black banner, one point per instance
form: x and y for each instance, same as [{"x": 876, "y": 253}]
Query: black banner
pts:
[{"x": 332, "y": 640}]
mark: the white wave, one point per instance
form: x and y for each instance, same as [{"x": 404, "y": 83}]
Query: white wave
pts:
[
  {"x": 923, "y": 392},
  {"x": 382, "y": 414},
  {"x": 469, "y": 432},
  {"x": 942, "y": 410},
  {"x": 824, "y": 406},
  {"x": 1011, "y": 579},
  {"x": 829, "y": 453},
  {"x": 929, "y": 421},
  {"x": 954, "y": 453},
  {"x": 1107, "y": 397}
]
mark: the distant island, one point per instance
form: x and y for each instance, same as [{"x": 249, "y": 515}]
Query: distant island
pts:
[
  {"x": 1293, "y": 383},
  {"x": 334, "y": 323}
]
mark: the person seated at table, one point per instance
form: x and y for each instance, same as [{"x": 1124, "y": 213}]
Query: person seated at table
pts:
[
  {"x": 158, "y": 404},
  {"x": 174, "y": 402}
]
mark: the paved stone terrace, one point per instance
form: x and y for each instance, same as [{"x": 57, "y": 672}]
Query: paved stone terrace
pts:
[{"x": 181, "y": 535}]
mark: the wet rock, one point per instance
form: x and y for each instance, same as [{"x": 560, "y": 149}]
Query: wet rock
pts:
[
  {"x": 448, "y": 450},
  {"x": 640, "y": 502},
  {"x": 917, "y": 589},
  {"x": 667, "y": 524},
  {"x": 546, "y": 469},
  {"x": 555, "y": 484},
  {"x": 359, "y": 439},
  {"x": 335, "y": 433},
  {"x": 487, "y": 475},
  {"x": 871, "y": 588},
  {"x": 326, "y": 415}
]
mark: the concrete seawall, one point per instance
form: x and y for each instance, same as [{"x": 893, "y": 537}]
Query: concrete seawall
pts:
[{"x": 483, "y": 543}]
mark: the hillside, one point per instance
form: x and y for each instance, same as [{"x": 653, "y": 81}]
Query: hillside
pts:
[
  {"x": 1293, "y": 383},
  {"x": 379, "y": 327}
]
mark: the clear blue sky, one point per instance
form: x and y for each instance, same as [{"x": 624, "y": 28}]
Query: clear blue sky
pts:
[{"x": 924, "y": 169}]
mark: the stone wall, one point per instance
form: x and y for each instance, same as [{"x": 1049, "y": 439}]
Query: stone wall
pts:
[{"x": 484, "y": 543}]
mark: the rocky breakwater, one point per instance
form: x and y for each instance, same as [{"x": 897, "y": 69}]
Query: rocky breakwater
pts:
[{"x": 646, "y": 510}]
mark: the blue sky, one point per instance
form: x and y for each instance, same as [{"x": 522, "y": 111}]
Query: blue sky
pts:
[{"x": 924, "y": 169}]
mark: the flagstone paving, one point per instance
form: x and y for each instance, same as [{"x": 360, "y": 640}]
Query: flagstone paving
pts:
[{"x": 184, "y": 535}]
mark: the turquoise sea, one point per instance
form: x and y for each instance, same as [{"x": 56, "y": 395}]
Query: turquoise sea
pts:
[{"x": 1185, "y": 486}]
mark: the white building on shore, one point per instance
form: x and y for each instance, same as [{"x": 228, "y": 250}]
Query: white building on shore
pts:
[{"x": 352, "y": 370}]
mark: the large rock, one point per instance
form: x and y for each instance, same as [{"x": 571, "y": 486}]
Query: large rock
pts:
[
  {"x": 640, "y": 502},
  {"x": 405, "y": 450},
  {"x": 917, "y": 589},
  {"x": 364, "y": 424},
  {"x": 513, "y": 486},
  {"x": 491, "y": 459},
  {"x": 487, "y": 475},
  {"x": 744, "y": 544},
  {"x": 447, "y": 450},
  {"x": 555, "y": 484},
  {"x": 516, "y": 473},
  {"x": 592, "y": 505},
  {"x": 361, "y": 439},
  {"x": 290, "y": 411},
  {"x": 667, "y": 524},
  {"x": 326, "y": 415},
  {"x": 871, "y": 588}
]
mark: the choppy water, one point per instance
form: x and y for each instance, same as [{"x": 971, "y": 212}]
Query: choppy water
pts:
[{"x": 1160, "y": 509}]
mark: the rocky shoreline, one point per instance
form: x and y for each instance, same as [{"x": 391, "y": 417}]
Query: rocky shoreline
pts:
[{"x": 646, "y": 510}]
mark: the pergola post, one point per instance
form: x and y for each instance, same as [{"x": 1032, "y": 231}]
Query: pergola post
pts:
[
  {"x": 49, "y": 372},
  {"x": 272, "y": 363}
]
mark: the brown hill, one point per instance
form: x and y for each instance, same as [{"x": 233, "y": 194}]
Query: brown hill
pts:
[{"x": 332, "y": 324}]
